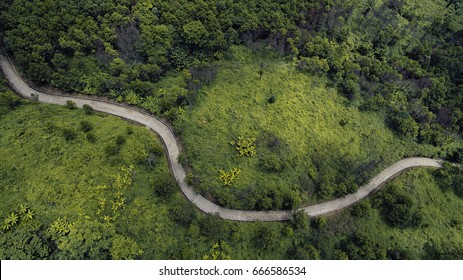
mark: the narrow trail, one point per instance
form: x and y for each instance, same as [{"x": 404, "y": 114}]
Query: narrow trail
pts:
[{"x": 173, "y": 151}]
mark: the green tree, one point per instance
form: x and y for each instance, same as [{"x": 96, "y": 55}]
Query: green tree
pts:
[
  {"x": 195, "y": 33},
  {"x": 24, "y": 243},
  {"x": 87, "y": 239},
  {"x": 124, "y": 248}
]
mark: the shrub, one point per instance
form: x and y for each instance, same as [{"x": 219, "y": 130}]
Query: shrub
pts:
[
  {"x": 245, "y": 147},
  {"x": 291, "y": 200},
  {"x": 300, "y": 220},
  {"x": 87, "y": 109},
  {"x": 10, "y": 100},
  {"x": 318, "y": 223},
  {"x": 272, "y": 99},
  {"x": 361, "y": 209},
  {"x": 183, "y": 212},
  {"x": 228, "y": 177},
  {"x": 69, "y": 134},
  {"x": 164, "y": 186},
  {"x": 70, "y": 105},
  {"x": 34, "y": 98},
  {"x": 85, "y": 126},
  {"x": 399, "y": 208}
]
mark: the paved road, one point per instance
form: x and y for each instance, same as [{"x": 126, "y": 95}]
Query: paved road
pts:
[{"x": 173, "y": 150}]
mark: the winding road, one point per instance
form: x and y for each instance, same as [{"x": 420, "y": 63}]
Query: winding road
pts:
[{"x": 173, "y": 151}]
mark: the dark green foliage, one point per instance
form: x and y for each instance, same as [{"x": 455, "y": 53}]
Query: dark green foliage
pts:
[
  {"x": 300, "y": 220},
  {"x": 450, "y": 249},
  {"x": 183, "y": 212},
  {"x": 111, "y": 149},
  {"x": 304, "y": 251},
  {"x": 450, "y": 177},
  {"x": 267, "y": 237},
  {"x": 24, "y": 243},
  {"x": 361, "y": 209},
  {"x": 90, "y": 137},
  {"x": 273, "y": 153},
  {"x": 399, "y": 208},
  {"x": 362, "y": 246},
  {"x": 318, "y": 223},
  {"x": 69, "y": 134},
  {"x": 272, "y": 99},
  {"x": 85, "y": 126},
  {"x": 9, "y": 100},
  {"x": 399, "y": 254},
  {"x": 456, "y": 156},
  {"x": 151, "y": 160},
  {"x": 86, "y": 239},
  {"x": 87, "y": 109},
  {"x": 115, "y": 146},
  {"x": 165, "y": 186},
  {"x": 70, "y": 105},
  {"x": 214, "y": 227}
]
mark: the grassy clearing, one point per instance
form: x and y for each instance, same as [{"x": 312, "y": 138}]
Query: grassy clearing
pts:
[{"x": 308, "y": 142}]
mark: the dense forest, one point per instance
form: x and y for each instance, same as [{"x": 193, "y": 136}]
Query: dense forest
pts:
[
  {"x": 279, "y": 104},
  {"x": 396, "y": 55}
]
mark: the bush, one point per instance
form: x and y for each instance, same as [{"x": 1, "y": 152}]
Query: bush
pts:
[
  {"x": 214, "y": 227},
  {"x": 267, "y": 237},
  {"x": 165, "y": 186},
  {"x": 271, "y": 163},
  {"x": 291, "y": 200},
  {"x": 245, "y": 147},
  {"x": 272, "y": 99},
  {"x": 70, "y": 105},
  {"x": 34, "y": 98},
  {"x": 85, "y": 126},
  {"x": 318, "y": 223},
  {"x": 69, "y": 134},
  {"x": 227, "y": 178},
  {"x": 450, "y": 177},
  {"x": 10, "y": 100},
  {"x": 399, "y": 209},
  {"x": 300, "y": 220},
  {"x": 361, "y": 209},
  {"x": 183, "y": 212},
  {"x": 87, "y": 109}
]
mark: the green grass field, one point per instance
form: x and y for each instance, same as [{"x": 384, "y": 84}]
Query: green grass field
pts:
[{"x": 309, "y": 142}]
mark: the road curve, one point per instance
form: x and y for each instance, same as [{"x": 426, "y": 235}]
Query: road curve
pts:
[{"x": 173, "y": 151}]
